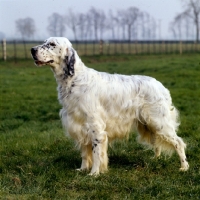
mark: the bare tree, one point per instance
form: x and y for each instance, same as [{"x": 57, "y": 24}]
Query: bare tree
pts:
[
  {"x": 172, "y": 29},
  {"x": 143, "y": 20},
  {"x": 192, "y": 11},
  {"x": 153, "y": 25},
  {"x": 26, "y": 27},
  {"x": 94, "y": 16},
  {"x": 56, "y": 25},
  {"x": 98, "y": 22},
  {"x": 148, "y": 26},
  {"x": 82, "y": 26},
  {"x": 121, "y": 21},
  {"x": 102, "y": 24},
  {"x": 113, "y": 24},
  {"x": 95, "y": 24},
  {"x": 178, "y": 21},
  {"x": 188, "y": 27},
  {"x": 82, "y": 20},
  {"x": 88, "y": 26},
  {"x": 129, "y": 18},
  {"x": 182, "y": 26},
  {"x": 72, "y": 21}
]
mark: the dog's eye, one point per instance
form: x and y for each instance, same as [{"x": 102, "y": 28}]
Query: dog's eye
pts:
[{"x": 52, "y": 44}]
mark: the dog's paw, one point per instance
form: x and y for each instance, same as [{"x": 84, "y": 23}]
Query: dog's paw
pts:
[
  {"x": 95, "y": 174},
  {"x": 155, "y": 157},
  {"x": 184, "y": 168},
  {"x": 81, "y": 169}
]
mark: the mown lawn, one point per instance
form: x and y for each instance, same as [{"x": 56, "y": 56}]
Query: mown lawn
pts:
[{"x": 38, "y": 162}]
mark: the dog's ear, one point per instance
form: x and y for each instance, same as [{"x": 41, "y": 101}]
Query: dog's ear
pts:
[{"x": 69, "y": 61}]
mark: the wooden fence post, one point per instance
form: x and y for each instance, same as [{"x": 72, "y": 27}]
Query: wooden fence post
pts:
[
  {"x": 4, "y": 50},
  {"x": 108, "y": 48},
  {"x": 115, "y": 47},
  {"x": 180, "y": 48},
  {"x": 163, "y": 46},
  {"x": 136, "y": 49},
  {"x": 15, "y": 51},
  {"x": 129, "y": 47},
  {"x": 122, "y": 49},
  {"x": 93, "y": 47},
  {"x": 101, "y": 47},
  {"x": 85, "y": 53},
  {"x": 25, "y": 52}
]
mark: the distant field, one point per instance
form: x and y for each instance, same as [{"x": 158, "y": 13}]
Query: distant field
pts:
[
  {"x": 22, "y": 50},
  {"x": 38, "y": 162}
]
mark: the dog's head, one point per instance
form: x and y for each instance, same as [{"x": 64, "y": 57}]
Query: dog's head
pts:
[{"x": 55, "y": 51}]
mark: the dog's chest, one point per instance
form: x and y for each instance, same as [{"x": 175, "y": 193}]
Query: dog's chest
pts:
[
  {"x": 63, "y": 93},
  {"x": 68, "y": 94}
]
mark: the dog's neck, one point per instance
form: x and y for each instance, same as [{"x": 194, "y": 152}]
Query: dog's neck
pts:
[{"x": 60, "y": 73}]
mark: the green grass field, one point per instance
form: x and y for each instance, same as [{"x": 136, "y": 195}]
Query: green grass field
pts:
[{"x": 38, "y": 162}]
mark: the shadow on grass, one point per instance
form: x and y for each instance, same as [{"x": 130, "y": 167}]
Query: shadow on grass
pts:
[{"x": 126, "y": 162}]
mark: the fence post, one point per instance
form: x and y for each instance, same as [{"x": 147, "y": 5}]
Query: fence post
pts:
[
  {"x": 93, "y": 47},
  {"x": 4, "y": 50},
  {"x": 129, "y": 47},
  {"x": 180, "y": 48},
  {"x": 122, "y": 49},
  {"x": 101, "y": 47},
  {"x": 115, "y": 46},
  {"x": 136, "y": 49},
  {"x": 25, "y": 51},
  {"x": 108, "y": 48},
  {"x": 163, "y": 47},
  {"x": 15, "y": 51},
  {"x": 85, "y": 53}
]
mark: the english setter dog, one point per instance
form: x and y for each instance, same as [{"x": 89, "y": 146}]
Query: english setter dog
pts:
[{"x": 99, "y": 107}]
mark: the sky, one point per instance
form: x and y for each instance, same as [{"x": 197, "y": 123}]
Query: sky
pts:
[{"x": 163, "y": 11}]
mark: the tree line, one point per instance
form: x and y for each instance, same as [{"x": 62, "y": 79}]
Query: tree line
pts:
[
  {"x": 124, "y": 24},
  {"x": 187, "y": 23}
]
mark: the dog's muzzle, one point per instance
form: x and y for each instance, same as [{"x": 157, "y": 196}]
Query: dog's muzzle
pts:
[
  {"x": 38, "y": 62},
  {"x": 33, "y": 52}
]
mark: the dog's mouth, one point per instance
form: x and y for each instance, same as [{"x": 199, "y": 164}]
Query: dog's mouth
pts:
[{"x": 40, "y": 63}]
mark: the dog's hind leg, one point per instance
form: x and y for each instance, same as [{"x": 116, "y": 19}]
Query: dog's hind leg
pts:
[
  {"x": 168, "y": 141},
  {"x": 180, "y": 149},
  {"x": 173, "y": 142},
  {"x": 99, "y": 153},
  {"x": 148, "y": 137},
  {"x": 163, "y": 139}
]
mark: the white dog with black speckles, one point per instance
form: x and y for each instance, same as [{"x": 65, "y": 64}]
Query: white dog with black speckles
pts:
[{"x": 99, "y": 107}]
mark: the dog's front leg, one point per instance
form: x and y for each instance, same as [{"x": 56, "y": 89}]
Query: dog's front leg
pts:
[
  {"x": 99, "y": 153},
  {"x": 86, "y": 154}
]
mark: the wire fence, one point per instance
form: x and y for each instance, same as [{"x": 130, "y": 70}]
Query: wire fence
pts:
[{"x": 14, "y": 50}]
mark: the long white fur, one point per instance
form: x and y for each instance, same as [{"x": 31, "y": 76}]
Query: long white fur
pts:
[{"x": 99, "y": 107}]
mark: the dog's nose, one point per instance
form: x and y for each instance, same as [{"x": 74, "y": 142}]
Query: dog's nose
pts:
[{"x": 33, "y": 51}]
